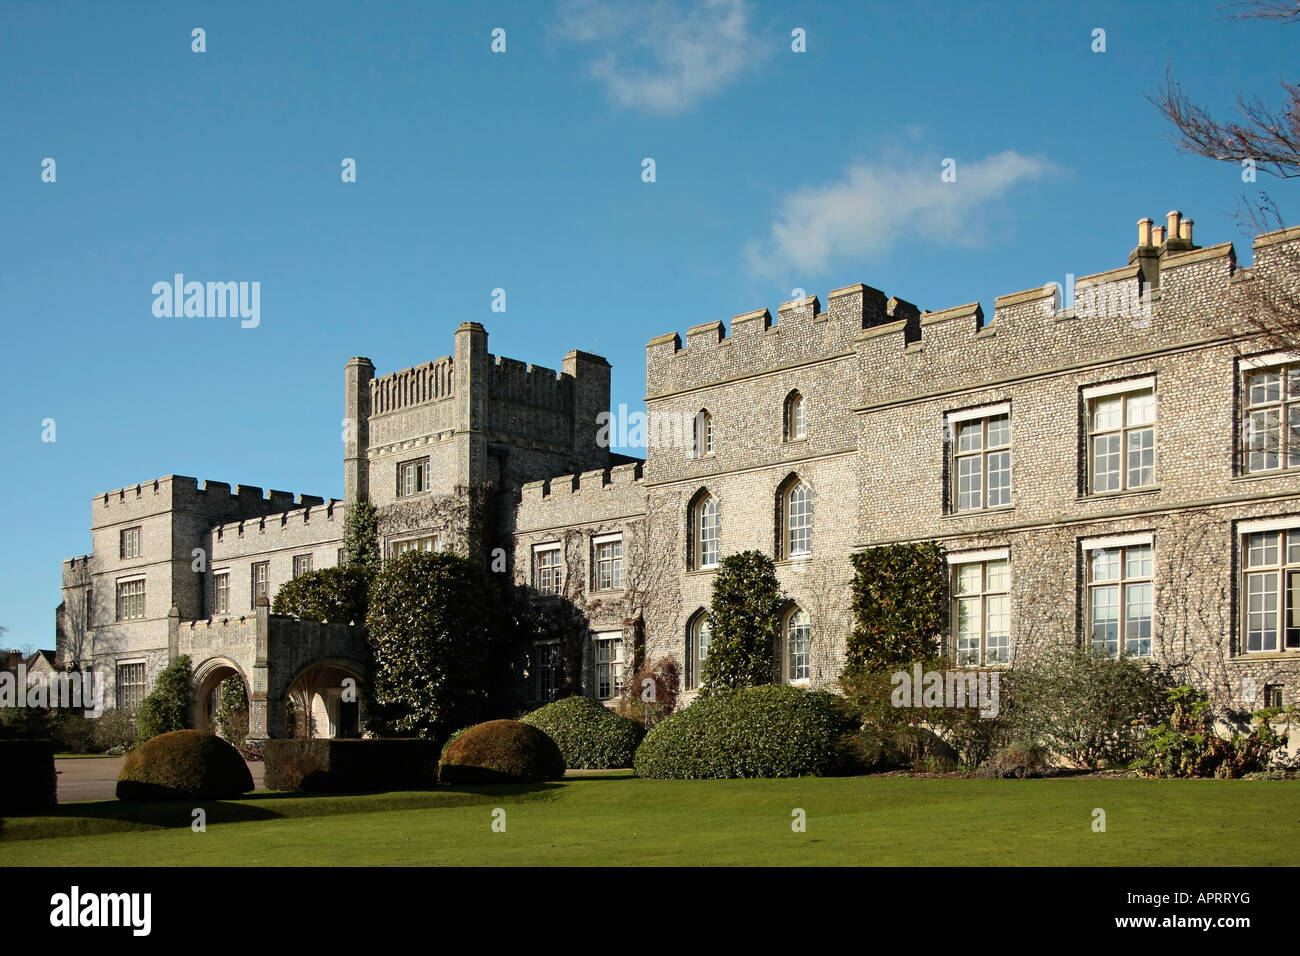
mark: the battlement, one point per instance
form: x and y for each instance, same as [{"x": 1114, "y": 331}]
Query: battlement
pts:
[
  {"x": 595, "y": 482},
  {"x": 1160, "y": 298},
  {"x": 312, "y": 512},
  {"x": 182, "y": 494},
  {"x": 429, "y": 382},
  {"x": 536, "y": 385},
  {"x": 803, "y": 333}
]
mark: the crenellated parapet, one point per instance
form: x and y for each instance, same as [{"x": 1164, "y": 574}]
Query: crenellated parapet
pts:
[
  {"x": 325, "y": 516},
  {"x": 585, "y": 497},
  {"x": 179, "y": 493},
  {"x": 804, "y": 332}
]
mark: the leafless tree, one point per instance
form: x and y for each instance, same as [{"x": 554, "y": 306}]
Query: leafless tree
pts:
[{"x": 1263, "y": 137}]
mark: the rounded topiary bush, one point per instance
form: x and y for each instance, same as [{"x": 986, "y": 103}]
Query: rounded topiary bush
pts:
[
  {"x": 501, "y": 751},
  {"x": 590, "y": 737},
  {"x": 184, "y": 764},
  {"x": 768, "y": 731}
]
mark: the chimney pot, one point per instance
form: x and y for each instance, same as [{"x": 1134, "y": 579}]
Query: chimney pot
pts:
[
  {"x": 1144, "y": 231},
  {"x": 1172, "y": 218},
  {"x": 1185, "y": 230},
  {"x": 1158, "y": 236}
]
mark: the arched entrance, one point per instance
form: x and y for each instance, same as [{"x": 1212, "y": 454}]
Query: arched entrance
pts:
[
  {"x": 324, "y": 700},
  {"x": 208, "y": 678}
]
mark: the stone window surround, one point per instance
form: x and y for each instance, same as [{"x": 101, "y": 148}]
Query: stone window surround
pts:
[
  {"x": 1242, "y": 532},
  {"x": 596, "y": 541},
  {"x": 1088, "y": 394},
  {"x": 787, "y": 661},
  {"x": 1124, "y": 541},
  {"x": 981, "y": 556},
  {"x": 144, "y": 592},
  {"x": 960, "y": 416},
  {"x": 1246, "y": 365},
  {"x": 548, "y": 548}
]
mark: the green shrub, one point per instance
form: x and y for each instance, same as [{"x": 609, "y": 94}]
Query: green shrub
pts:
[
  {"x": 170, "y": 705},
  {"x": 361, "y": 537},
  {"x": 899, "y": 603},
  {"x": 590, "y": 737},
  {"x": 232, "y": 711},
  {"x": 339, "y": 595},
  {"x": 1186, "y": 745},
  {"x": 501, "y": 751},
  {"x": 28, "y": 781},
  {"x": 115, "y": 732},
  {"x": 769, "y": 731},
  {"x": 438, "y": 634},
  {"x": 1087, "y": 709},
  {"x": 182, "y": 765},
  {"x": 324, "y": 765},
  {"x": 746, "y": 616},
  {"x": 926, "y": 738}
]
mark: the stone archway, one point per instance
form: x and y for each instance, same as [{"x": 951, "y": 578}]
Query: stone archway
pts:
[
  {"x": 324, "y": 700},
  {"x": 208, "y": 678}
]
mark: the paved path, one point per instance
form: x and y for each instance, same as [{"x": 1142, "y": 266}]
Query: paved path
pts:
[{"x": 95, "y": 778}]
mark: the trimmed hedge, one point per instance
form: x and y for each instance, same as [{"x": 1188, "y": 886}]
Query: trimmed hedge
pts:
[
  {"x": 351, "y": 766},
  {"x": 184, "y": 764},
  {"x": 501, "y": 751},
  {"x": 27, "y": 777},
  {"x": 767, "y": 731},
  {"x": 590, "y": 737}
]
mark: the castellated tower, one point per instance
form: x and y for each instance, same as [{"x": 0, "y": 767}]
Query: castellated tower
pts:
[{"x": 433, "y": 445}]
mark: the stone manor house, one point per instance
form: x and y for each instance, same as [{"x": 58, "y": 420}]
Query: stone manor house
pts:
[{"x": 1122, "y": 474}]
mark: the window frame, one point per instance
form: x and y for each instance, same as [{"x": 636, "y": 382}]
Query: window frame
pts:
[
  {"x": 956, "y": 563},
  {"x": 264, "y": 566},
  {"x": 548, "y": 549},
  {"x": 400, "y": 546},
  {"x": 617, "y": 663},
  {"x": 1286, "y": 365},
  {"x": 702, "y": 442},
  {"x": 551, "y": 663},
  {"x": 1285, "y": 571},
  {"x": 302, "y": 564},
  {"x": 702, "y": 501},
  {"x": 221, "y": 591},
  {"x": 613, "y": 561},
  {"x": 127, "y": 602},
  {"x": 790, "y": 668},
  {"x": 983, "y": 415},
  {"x": 694, "y": 660},
  {"x": 140, "y": 688},
  {"x": 422, "y": 477},
  {"x": 1124, "y": 391},
  {"x": 134, "y": 535},
  {"x": 1122, "y": 585},
  {"x": 794, "y": 418}
]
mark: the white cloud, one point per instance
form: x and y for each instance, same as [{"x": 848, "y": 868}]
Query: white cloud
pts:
[
  {"x": 874, "y": 206},
  {"x": 663, "y": 56}
]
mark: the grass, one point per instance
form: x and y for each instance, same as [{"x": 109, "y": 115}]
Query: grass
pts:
[{"x": 619, "y": 819}]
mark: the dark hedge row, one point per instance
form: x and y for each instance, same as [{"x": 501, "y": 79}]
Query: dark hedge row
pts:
[{"x": 341, "y": 766}]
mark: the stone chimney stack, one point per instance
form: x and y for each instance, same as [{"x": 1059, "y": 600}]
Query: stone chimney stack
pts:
[{"x": 1172, "y": 218}]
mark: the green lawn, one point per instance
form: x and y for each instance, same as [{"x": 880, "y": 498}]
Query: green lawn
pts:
[{"x": 623, "y": 820}]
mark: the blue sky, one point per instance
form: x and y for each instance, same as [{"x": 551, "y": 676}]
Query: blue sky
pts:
[{"x": 775, "y": 170}]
